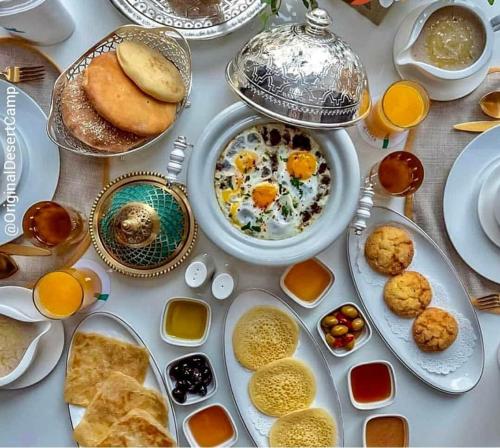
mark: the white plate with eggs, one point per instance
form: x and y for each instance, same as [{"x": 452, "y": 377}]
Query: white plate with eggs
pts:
[{"x": 268, "y": 193}]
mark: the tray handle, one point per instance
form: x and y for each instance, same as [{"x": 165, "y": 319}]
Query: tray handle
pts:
[
  {"x": 177, "y": 158},
  {"x": 364, "y": 210}
]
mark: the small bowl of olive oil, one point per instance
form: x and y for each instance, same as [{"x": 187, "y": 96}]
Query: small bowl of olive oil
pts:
[{"x": 186, "y": 321}]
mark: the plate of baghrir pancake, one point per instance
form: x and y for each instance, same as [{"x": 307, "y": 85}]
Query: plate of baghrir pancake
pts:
[
  {"x": 280, "y": 380},
  {"x": 114, "y": 389}
]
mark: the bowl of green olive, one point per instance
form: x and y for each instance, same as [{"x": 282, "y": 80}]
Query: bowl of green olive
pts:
[{"x": 344, "y": 330}]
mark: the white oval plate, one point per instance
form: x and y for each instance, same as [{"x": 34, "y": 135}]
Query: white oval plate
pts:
[
  {"x": 460, "y": 201},
  {"x": 308, "y": 351},
  {"x": 113, "y": 326},
  {"x": 434, "y": 264}
]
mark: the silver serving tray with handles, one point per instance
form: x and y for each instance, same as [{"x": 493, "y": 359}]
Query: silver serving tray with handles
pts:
[
  {"x": 430, "y": 261},
  {"x": 308, "y": 351},
  {"x": 165, "y": 39},
  {"x": 194, "y": 19},
  {"x": 110, "y": 325}
]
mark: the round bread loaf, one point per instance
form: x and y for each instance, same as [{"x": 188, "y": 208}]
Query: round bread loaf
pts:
[
  {"x": 85, "y": 124},
  {"x": 151, "y": 71},
  {"x": 117, "y": 99},
  {"x": 264, "y": 334},
  {"x": 407, "y": 294},
  {"x": 435, "y": 330},
  {"x": 282, "y": 386},
  {"x": 306, "y": 428}
]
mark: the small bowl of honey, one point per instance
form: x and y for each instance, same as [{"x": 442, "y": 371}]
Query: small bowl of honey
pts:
[
  {"x": 186, "y": 322},
  {"x": 307, "y": 293},
  {"x": 386, "y": 430},
  {"x": 211, "y": 425},
  {"x": 372, "y": 385}
]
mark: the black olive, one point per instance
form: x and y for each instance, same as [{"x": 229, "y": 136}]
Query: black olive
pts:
[
  {"x": 207, "y": 379},
  {"x": 202, "y": 390},
  {"x": 179, "y": 395}
]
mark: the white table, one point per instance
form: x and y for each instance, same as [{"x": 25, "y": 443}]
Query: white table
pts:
[{"x": 38, "y": 416}]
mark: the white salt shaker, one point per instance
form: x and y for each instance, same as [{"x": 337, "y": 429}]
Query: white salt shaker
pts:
[
  {"x": 44, "y": 22},
  {"x": 199, "y": 271},
  {"x": 224, "y": 283}
]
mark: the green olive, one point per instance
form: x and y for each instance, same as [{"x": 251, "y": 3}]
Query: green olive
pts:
[
  {"x": 339, "y": 330},
  {"x": 329, "y": 321},
  {"x": 349, "y": 311},
  {"x": 357, "y": 324},
  {"x": 330, "y": 340},
  {"x": 350, "y": 345}
]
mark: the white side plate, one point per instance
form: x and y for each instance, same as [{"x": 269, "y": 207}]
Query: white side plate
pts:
[
  {"x": 430, "y": 261},
  {"x": 113, "y": 326},
  {"x": 308, "y": 351}
]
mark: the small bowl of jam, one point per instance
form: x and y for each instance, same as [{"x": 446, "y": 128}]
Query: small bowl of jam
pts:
[
  {"x": 211, "y": 425},
  {"x": 372, "y": 385},
  {"x": 191, "y": 379},
  {"x": 185, "y": 322},
  {"x": 307, "y": 283},
  {"x": 386, "y": 430}
]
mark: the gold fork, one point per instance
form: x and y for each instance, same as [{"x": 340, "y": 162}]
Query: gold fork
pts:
[
  {"x": 489, "y": 302},
  {"x": 17, "y": 74}
]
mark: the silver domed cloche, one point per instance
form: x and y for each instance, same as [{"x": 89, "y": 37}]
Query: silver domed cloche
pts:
[{"x": 302, "y": 74}]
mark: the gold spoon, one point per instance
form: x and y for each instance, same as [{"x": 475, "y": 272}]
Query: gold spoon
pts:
[{"x": 490, "y": 104}]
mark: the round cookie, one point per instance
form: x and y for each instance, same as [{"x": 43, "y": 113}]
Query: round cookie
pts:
[
  {"x": 389, "y": 250},
  {"x": 151, "y": 71},
  {"x": 407, "y": 294},
  {"x": 88, "y": 126},
  {"x": 434, "y": 330},
  {"x": 117, "y": 99}
]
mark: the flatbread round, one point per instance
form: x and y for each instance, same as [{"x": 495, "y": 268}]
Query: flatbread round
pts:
[
  {"x": 264, "y": 334},
  {"x": 151, "y": 71},
  {"x": 118, "y": 100},
  {"x": 306, "y": 428},
  {"x": 85, "y": 124},
  {"x": 281, "y": 387}
]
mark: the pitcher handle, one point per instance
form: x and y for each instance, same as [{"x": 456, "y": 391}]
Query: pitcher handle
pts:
[{"x": 495, "y": 23}]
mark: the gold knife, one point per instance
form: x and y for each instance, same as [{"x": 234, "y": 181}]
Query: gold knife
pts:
[
  {"x": 476, "y": 126},
  {"x": 28, "y": 251}
]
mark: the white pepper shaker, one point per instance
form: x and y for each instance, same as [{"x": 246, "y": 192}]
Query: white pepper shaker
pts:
[{"x": 199, "y": 271}]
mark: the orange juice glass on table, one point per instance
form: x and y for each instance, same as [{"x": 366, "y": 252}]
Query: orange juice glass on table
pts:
[
  {"x": 404, "y": 105},
  {"x": 60, "y": 294}
]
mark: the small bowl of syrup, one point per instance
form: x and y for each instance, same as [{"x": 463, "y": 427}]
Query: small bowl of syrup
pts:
[{"x": 372, "y": 385}]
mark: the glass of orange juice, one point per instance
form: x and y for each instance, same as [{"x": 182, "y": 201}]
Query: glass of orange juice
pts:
[
  {"x": 60, "y": 294},
  {"x": 404, "y": 105}
]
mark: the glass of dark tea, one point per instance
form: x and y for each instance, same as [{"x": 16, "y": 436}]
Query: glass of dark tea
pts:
[
  {"x": 53, "y": 225},
  {"x": 400, "y": 173}
]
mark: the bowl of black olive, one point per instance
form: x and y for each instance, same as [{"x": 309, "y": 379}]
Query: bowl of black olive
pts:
[{"x": 190, "y": 379}]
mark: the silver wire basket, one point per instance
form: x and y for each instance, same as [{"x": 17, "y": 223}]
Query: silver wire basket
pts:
[{"x": 165, "y": 39}]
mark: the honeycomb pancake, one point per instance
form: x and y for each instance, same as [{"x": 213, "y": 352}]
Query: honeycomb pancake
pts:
[
  {"x": 151, "y": 71},
  {"x": 85, "y": 124},
  {"x": 281, "y": 387},
  {"x": 137, "y": 428},
  {"x": 93, "y": 357},
  {"x": 117, "y": 99},
  {"x": 264, "y": 334},
  {"x": 306, "y": 428},
  {"x": 115, "y": 397}
]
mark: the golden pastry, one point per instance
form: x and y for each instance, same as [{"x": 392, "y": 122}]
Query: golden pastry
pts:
[
  {"x": 435, "y": 330},
  {"x": 407, "y": 294},
  {"x": 389, "y": 250}
]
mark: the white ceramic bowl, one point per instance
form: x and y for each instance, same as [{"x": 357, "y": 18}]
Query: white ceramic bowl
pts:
[
  {"x": 42, "y": 326},
  {"x": 189, "y": 435},
  {"x": 298, "y": 299},
  {"x": 402, "y": 417},
  {"x": 185, "y": 342},
  {"x": 191, "y": 398},
  {"x": 363, "y": 338},
  {"x": 375, "y": 404},
  {"x": 341, "y": 156}
]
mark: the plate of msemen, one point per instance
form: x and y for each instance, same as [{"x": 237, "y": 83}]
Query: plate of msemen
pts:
[
  {"x": 194, "y": 19},
  {"x": 456, "y": 365},
  {"x": 307, "y": 353},
  {"x": 27, "y": 149},
  {"x": 111, "y": 326}
]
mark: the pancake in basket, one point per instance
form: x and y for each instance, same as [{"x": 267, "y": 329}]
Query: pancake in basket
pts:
[
  {"x": 306, "y": 428},
  {"x": 282, "y": 386},
  {"x": 115, "y": 397},
  {"x": 117, "y": 99},
  {"x": 85, "y": 124},
  {"x": 93, "y": 357},
  {"x": 137, "y": 428},
  {"x": 264, "y": 334}
]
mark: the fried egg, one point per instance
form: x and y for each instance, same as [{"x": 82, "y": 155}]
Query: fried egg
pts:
[{"x": 272, "y": 181}]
